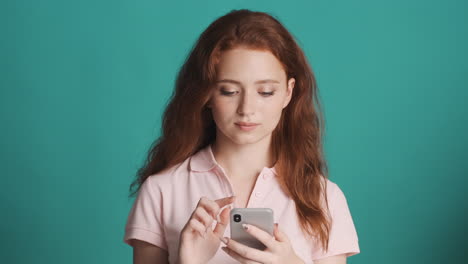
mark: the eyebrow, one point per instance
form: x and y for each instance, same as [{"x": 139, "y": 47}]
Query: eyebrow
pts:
[{"x": 239, "y": 83}]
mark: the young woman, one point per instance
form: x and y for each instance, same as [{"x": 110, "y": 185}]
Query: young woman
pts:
[{"x": 242, "y": 129}]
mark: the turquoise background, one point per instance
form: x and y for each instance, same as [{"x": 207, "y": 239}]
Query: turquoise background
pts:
[{"x": 84, "y": 83}]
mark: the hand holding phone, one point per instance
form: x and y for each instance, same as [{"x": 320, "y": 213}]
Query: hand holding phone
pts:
[
  {"x": 259, "y": 217},
  {"x": 277, "y": 250}
]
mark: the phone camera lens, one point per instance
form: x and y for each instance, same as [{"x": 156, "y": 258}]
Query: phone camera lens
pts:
[{"x": 237, "y": 218}]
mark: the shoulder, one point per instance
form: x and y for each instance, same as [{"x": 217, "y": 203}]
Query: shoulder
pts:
[
  {"x": 337, "y": 201},
  {"x": 335, "y": 194},
  {"x": 177, "y": 173},
  {"x": 331, "y": 187}
]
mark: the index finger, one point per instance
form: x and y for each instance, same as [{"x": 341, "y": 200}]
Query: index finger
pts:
[{"x": 225, "y": 201}]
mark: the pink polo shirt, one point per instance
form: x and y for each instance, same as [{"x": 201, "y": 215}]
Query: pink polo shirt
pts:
[{"x": 166, "y": 201}]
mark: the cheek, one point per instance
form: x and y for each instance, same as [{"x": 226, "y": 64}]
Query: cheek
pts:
[
  {"x": 272, "y": 114},
  {"x": 221, "y": 109}
]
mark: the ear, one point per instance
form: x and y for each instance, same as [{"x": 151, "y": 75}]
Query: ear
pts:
[
  {"x": 289, "y": 91},
  {"x": 208, "y": 103}
]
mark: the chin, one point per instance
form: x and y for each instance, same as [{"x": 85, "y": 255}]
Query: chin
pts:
[
  {"x": 241, "y": 138},
  {"x": 246, "y": 139}
]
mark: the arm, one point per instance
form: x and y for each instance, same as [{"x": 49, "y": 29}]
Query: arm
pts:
[
  {"x": 145, "y": 253},
  {"x": 338, "y": 259}
]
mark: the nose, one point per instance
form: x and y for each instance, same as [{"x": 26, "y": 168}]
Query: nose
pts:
[{"x": 246, "y": 105}]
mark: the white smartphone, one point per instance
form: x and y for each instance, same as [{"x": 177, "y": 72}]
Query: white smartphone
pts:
[{"x": 259, "y": 217}]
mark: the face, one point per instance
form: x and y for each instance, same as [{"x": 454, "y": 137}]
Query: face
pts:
[{"x": 250, "y": 93}]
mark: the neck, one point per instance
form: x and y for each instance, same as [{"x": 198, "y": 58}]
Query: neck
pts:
[{"x": 243, "y": 161}]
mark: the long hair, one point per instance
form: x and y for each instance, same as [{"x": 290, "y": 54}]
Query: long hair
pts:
[{"x": 188, "y": 124}]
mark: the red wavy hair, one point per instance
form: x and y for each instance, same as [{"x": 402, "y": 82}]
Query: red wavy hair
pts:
[{"x": 188, "y": 124}]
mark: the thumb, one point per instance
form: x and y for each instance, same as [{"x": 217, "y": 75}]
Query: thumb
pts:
[
  {"x": 224, "y": 220},
  {"x": 279, "y": 235}
]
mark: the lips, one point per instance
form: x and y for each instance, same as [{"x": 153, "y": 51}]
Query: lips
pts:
[{"x": 246, "y": 124}]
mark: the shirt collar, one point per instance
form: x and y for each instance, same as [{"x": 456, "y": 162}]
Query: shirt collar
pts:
[{"x": 204, "y": 160}]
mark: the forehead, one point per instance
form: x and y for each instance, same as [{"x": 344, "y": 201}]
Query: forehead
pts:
[{"x": 249, "y": 65}]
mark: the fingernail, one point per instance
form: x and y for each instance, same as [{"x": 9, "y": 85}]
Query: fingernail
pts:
[
  {"x": 245, "y": 226},
  {"x": 276, "y": 224},
  {"x": 225, "y": 240}
]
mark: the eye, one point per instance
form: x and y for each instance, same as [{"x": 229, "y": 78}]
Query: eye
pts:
[
  {"x": 266, "y": 94},
  {"x": 227, "y": 93}
]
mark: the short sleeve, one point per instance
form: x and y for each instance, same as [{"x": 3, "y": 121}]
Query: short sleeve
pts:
[
  {"x": 144, "y": 221},
  {"x": 343, "y": 236}
]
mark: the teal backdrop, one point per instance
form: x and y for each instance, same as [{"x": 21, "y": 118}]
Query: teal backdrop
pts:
[{"x": 84, "y": 84}]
